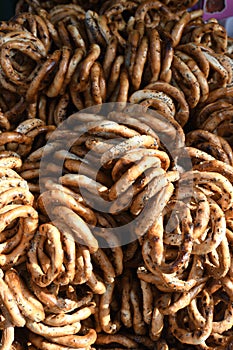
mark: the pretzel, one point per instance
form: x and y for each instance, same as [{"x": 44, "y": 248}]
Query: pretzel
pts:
[
  {"x": 131, "y": 175},
  {"x": 218, "y": 32},
  {"x": 116, "y": 338},
  {"x": 97, "y": 286},
  {"x": 59, "y": 12},
  {"x": 7, "y": 336},
  {"x": 107, "y": 324},
  {"x": 9, "y": 302},
  {"x": 182, "y": 113},
  {"x": 64, "y": 319},
  {"x": 93, "y": 31},
  {"x": 157, "y": 184},
  {"x": 157, "y": 324},
  {"x": 38, "y": 276},
  {"x": 44, "y": 71},
  {"x": 126, "y": 316},
  {"x": 201, "y": 334},
  {"x": 190, "y": 80},
  {"x": 109, "y": 57},
  {"x": 37, "y": 27},
  {"x": 138, "y": 322},
  {"x": 30, "y": 216},
  {"x": 42, "y": 343},
  {"x": 121, "y": 148},
  {"x": 140, "y": 61},
  {"x": 76, "y": 341}
]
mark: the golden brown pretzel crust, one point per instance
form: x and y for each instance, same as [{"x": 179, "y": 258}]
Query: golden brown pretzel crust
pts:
[{"x": 128, "y": 243}]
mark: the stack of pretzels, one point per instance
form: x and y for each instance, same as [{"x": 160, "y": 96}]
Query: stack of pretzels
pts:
[{"x": 116, "y": 222}]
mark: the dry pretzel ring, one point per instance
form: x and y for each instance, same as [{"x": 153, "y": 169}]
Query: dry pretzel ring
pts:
[
  {"x": 29, "y": 306},
  {"x": 137, "y": 318},
  {"x": 63, "y": 319},
  {"x": 86, "y": 65},
  {"x": 155, "y": 54},
  {"x": 53, "y": 303},
  {"x": 190, "y": 86},
  {"x": 207, "y": 110},
  {"x": 60, "y": 12},
  {"x": 53, "y": 266},
  {"x": 76, "y": 341},
  {"x": 43, "y": 72},
  {"x": 59, "y": 196},
  {"x": 199, "y": 334},
  {"x": 216, "y": 30},
  {"x": 79, "y": 228},
  {"x": 214, "y": 181},
  {"x": 167, "y": 307},
  {"x": 10, "y": 304},
  {"x": 27, "y": 227},
  {"x": 157, "y": 251},
  {"x": 182, "y": 113},
  {"x": 197, "y": 72},
  {"x": 210, "y": 143},
  {"x": 27, "y": 48},
  {"x": 37, "y": 27},
  {"x": 156, "y": 99}
]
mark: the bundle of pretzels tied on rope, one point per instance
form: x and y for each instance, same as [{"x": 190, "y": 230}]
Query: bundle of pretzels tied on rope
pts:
[{"x": 116, "y": 225}]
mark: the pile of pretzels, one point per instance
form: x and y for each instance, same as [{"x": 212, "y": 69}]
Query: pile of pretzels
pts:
[{"x": 116, "y": 177}]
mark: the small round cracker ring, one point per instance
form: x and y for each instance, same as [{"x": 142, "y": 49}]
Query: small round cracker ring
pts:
[
  {"x": 182, "y": 111},
  {"x": 179, "y": 27},
  {"x": 48, "y": 234},
  {"x": 225, "y": 323},
  {"x": 155, "y": 54},
  {"x": 103, "y": 262},
  {"x": 189, "y": 80},
  {"x": 210, "y": 108},
  {"x": 131, "y": 175},
  {"x": 215, "y": 182},
  {"x": 10, "y": 304},
  {"x": 85, "y": 67},
  {"x": 199, "y": 334},
  {"x": 93, "y": 31},
  {"x": 140, "y": 61},
  {"x": 106, "y": 323},
  {"x": 120, "y": 339},
  {"x": 64, "y": 319},
  {"x": 65, "y": 11},
  {"x": 37, "y": 27},
  {"x": 43, "y": 72},
  {"x": 27, "y": 48},
  {"x": 157, "y": 184},
  {"x": 220, "y": 73},
  {"x": 8, "y": 335},
  {"x": 80, "y": 229},
  {"x": 214, "y": 121},
  {"x": 76, "y": 341},
  {"x": 114, "y": 75},
  {"x": 148, "y": 5},
  {"x": 109, "y": 57},
  {"x": 28, "y": 225},
  {"x": 141, "y": 141},
  {"x": 98, "y": 83},
  {"x": 194, "y": 51},
  {"x": 24, "y": 142},
  {"x": 141, "y": 95},
  {"x": 218, "y": 32},
  {"x": 184, "y": 221},
  {"x": 57, "y": 84},
  {"x": 29, "y": 306},
  {"x": 197, "y": 72}
]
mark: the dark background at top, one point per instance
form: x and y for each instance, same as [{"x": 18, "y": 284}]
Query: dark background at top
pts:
[{"x": 7, "y": 9}]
